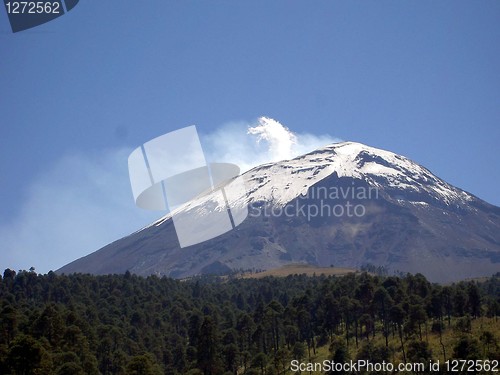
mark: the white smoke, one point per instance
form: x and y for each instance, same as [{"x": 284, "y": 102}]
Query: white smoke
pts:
[
  {"x": 263, "y": 141},
  {"x": 279, "y": 138}
]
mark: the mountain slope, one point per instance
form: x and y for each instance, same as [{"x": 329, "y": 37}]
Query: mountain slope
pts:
[{"x": 346, "y": 204}]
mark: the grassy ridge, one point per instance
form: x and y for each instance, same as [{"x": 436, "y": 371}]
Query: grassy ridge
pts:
[{"x": 300, "y": 269}]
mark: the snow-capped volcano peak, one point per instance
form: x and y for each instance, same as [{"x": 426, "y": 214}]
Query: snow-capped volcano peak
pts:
[
  {"x": 283, "y": 181},
  {"x": 279, "y": 183}
]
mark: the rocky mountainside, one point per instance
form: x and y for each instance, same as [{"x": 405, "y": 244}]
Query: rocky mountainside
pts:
[{"x": 346, "y": 204}]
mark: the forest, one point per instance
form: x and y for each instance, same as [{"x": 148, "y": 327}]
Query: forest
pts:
[{"x": 126, "y": 324}]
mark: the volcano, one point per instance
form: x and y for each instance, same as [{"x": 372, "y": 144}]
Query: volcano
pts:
[{"x": 343, "y": 205}]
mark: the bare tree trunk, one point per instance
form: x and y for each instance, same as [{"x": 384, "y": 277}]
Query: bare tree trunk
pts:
[{"x": 401, "y": 339}]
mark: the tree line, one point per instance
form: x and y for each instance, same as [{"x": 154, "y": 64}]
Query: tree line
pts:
[{"x": 126, "y": 324}]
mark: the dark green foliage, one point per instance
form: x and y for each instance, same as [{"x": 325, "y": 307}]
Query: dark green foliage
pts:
[
  {"x": 339, "y": 353},
  {"x": 125, "y": 324},
  {"x": 375, "y": 354},
  {"x": 25, "y": 355},
  {"x": 70, "y": 368},
  {"x": 419, "y": 352},
  {"x": 467, "y": 348},
  {"x": 143, "y": 365}
]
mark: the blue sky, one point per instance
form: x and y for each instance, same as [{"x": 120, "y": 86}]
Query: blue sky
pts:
[{"x": 420, "y": 78}]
